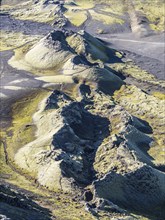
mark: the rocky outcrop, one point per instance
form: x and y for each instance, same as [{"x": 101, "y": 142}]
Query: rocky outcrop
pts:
[
  {"x": 94, "y": 50},
  {"x": 74, "y": 132},
  {"x": 75, "y": 55},
  {"x": 61, "y": 45},
  {"x": 50, "y": 52},
  {"x": 150, "y": 108},
  {"x": 142, "y": 185},
  {"x": 15, "y": 205},
  {"x": 94, "y": 142},
  {"x": 94, "y": 137},
  {"x": 84, "y": 137},
  {"x": 46, "y": 11}
]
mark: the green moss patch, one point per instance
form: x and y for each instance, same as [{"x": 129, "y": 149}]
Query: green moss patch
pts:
[
  {"x": 77, "y": 17},
  {"x": 154, "y": 11},
  {"x": 12, "y": 40},
  {"x": 85, "y": 4},
  {"x": 106, "y": 19},
  {"x": 22, "y": 130},
  {"x": 130, "y": 69},
  {"x": 149, "y": 108}
]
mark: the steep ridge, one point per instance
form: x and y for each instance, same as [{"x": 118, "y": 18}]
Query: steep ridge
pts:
[
  {"x": 139, "y": 23},
  {"x": 86, "y": 138},
  {"x": 72, "y": 53},
  {"x": 94, "y": 135}
]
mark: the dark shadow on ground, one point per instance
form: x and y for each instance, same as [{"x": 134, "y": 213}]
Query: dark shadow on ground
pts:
[
  {"x": 8, "y": 23},
  {"x": 91, "y": 130},
  {"x": 17, "y": 206}
]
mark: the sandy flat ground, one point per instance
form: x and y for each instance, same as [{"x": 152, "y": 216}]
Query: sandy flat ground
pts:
[{"x": 148, "y": 52}]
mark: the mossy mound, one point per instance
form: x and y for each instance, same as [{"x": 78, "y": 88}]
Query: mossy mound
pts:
[
  {"x": 149, "y": 108},
  {"x": 12, "y": 40},
  {"x": 44, "y": 57},
  {"x": 94, "y": 142},
  {"x": 39, "y": 11},
  {"x": 49, "y": 52},
  {"x": 105, "y": 80},
  {"x": 76, "y": 17},
  {"x": 154, "y": 12},
  {"x": 72, "y": 53},
  {"x": 144, "y": 185},
  {"x": 92, "y": 48},
  {"x": 53, "y": 51}
]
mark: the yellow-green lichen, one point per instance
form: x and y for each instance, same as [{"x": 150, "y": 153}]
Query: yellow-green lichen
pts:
[
  {"x": 115, "y": 7},
  {"x": 85, "y": 4},
  {"x": 77, "y": 17},
  {"x": 130, "y": 69},
  {"x": 154, "y": 11},
  {"x": 34, "y": 13},
  {"x": 106, "y": 19},
  {"x": 11, "y": 40},
  {"x": 19, "y": 61},
  {"x": 56, "y": 202},
  {"x": 95, "y": 50},
  {"x": 159, "y": 95},
  {"x": 148, "y": 108},
  {"x": 22, "y": 129}
]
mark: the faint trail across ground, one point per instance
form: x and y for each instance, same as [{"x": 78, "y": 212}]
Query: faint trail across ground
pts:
[{"x": 133, "y": 41}]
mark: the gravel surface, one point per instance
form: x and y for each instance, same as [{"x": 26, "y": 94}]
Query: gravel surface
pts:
[{"x": 8, "y": 23}]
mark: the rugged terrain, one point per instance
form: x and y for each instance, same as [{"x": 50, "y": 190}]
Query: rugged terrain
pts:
[{"x": 82, "y": 110}]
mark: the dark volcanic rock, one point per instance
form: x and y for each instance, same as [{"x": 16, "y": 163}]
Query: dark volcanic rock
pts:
[
  {"x": 16, "y": 206},
  {"x": 143, "y": 186}
]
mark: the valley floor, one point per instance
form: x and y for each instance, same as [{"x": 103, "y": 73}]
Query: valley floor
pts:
[{"x": 82, "y": 111}]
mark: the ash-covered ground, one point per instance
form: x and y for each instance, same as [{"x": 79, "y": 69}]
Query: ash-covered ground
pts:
[{"x": 82, "y": 110}]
